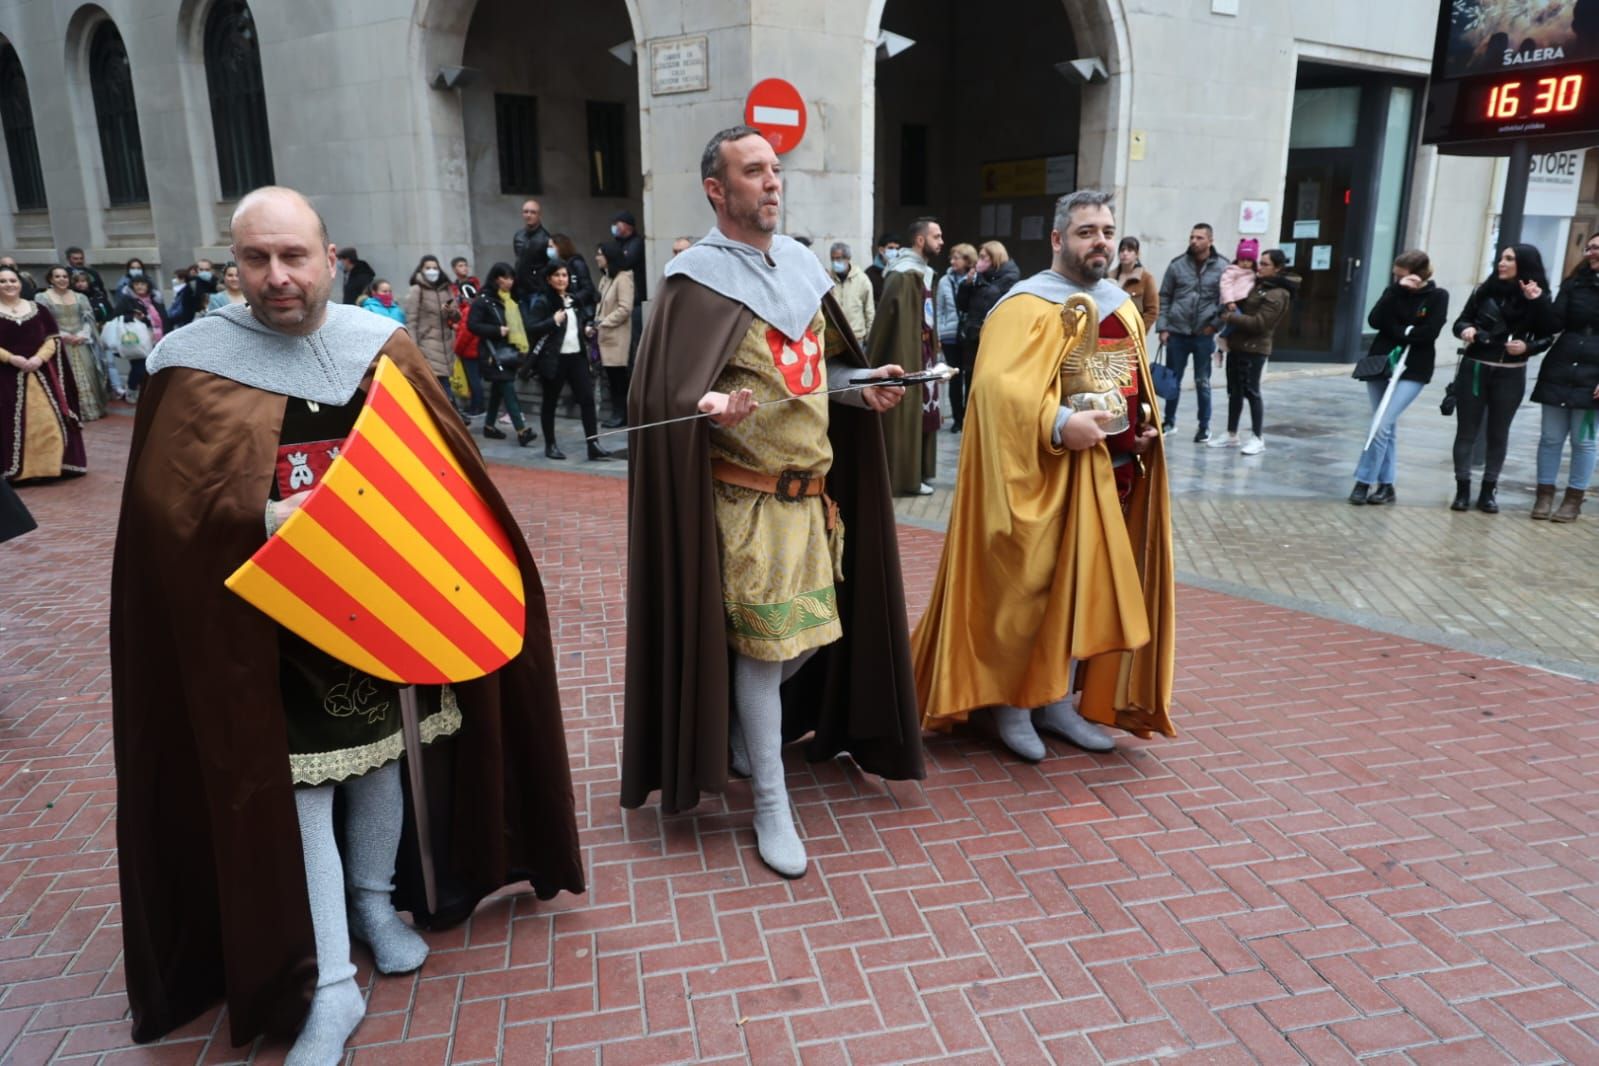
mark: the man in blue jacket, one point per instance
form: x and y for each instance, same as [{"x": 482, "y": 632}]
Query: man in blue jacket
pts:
[{"x": 1190, "y": 314}]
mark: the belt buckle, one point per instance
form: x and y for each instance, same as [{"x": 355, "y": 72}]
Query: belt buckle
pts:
[{"x": 787, "y": 478}]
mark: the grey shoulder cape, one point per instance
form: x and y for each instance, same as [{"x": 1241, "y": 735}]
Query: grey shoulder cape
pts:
[
  {"x": 1055, "y": 287},
  {"x": 325, "y": 367},
  {"x": 784, "y": 286}
]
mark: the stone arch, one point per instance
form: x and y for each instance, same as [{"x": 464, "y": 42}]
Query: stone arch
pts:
[
  {"x": 17, "y": 118},
  {"x": 1098, "y": 29},
  {"x": 440, "y": 31}
]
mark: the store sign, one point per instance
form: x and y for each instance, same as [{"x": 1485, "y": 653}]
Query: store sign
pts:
[{"x": 1552, "y": 185}]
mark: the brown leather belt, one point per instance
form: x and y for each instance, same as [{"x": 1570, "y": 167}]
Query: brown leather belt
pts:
[{"x": 790, "y": 485}]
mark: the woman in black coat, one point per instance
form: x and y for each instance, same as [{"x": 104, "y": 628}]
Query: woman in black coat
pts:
[
  {"x": 1508, "y": 319},
  {"x": 1408, "y": 315},
  {"x": 996, "y": 273},
  {"x": 558, "y": 329},
  {"x": 496, "y": 321},
  {"x": 1568, "y": 389}
]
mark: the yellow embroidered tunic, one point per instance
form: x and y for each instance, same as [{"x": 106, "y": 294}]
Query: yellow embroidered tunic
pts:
[{"x": 777, "y": 563}]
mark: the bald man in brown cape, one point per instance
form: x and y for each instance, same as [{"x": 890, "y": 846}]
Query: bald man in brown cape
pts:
[{"x": 231, "y": 735}]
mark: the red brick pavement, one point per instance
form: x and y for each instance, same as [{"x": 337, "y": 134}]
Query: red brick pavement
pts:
[{"x": 1360, "y": 848}]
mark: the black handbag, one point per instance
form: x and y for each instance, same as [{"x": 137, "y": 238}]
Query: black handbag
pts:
[{"x": 1373, "y": 367}]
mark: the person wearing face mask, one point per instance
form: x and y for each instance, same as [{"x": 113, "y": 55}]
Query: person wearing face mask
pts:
[
  {"x": 135, "y": 269},
  {"x": 904, "y": 334},
  {"x": 1568, "y": 390},
  {"x": 1053, "y": 608},
  {"x": 1506, "y": 321},
  {"x": 990, "y": 279},
  {"x": 379, "y": 299},
  {"x": 853, "y": 291},
  {"x": 190, "y": 301},
  {"x": 431, "y": 313},
  {"x": 882, "y": 255},
  {"x": 630, "y": 256}
]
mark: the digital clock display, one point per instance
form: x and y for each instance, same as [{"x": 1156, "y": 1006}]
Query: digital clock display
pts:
[{"x": 1494, "y": 108}]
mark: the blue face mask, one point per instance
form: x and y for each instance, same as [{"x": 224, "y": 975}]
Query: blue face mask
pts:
[
  {"x": 841, "y": 266},
  {"x": 549, "y": 252},
  {"x": 205, "y": 275},
  {"x": 616, "y": 229}
]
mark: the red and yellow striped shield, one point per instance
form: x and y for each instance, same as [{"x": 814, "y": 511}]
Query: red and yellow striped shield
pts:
[{"x": 394, "y": 564}]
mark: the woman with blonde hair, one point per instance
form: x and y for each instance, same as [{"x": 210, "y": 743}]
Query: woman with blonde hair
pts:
[{"x": 991, "y": 278}]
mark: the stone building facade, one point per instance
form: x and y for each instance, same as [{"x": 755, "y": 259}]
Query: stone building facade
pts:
[{"x": 419, "y": 126}]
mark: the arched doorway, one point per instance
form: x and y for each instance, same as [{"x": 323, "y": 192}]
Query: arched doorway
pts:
[
  {"x": 563, "y": 129},
  {"x": 984, "y": 126}
]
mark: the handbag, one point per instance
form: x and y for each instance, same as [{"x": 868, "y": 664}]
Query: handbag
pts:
[
  {"x": 458, "y": 382},
  {"x": 1165, "y": 381},
  {"x": 1375, "y": 366}
]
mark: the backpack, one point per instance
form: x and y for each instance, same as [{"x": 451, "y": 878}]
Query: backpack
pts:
[{"x": 465, "y": 344}]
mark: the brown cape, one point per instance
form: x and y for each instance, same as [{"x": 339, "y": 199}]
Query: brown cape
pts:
[
  {"x": 213, "y": 879},
  {"x": 897, "y": 338},
  {"x": 856, "y": 694}
]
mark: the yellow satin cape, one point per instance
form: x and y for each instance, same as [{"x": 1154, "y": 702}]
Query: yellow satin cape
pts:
[{"x": 1039, "y": 566}]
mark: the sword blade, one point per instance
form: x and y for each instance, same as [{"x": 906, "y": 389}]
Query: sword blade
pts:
[{"x": 856, "y": 386}]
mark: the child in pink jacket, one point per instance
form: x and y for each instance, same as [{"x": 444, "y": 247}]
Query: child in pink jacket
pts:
[{"x": 1237, "y": 281}]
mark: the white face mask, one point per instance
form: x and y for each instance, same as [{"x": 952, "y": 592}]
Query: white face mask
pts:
[
  {"x": 430, "y": 275},
  {"x": 616, "y": 229}
]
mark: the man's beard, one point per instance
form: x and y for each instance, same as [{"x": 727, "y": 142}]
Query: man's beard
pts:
[
  {"x": 752, "y": 218},
  {"x": 1080, "y": 267}
]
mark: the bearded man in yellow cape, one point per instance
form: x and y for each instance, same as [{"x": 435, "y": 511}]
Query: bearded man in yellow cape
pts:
[{"x": 1053, "y": 606}]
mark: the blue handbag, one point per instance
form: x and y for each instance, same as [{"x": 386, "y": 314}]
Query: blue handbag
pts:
[{"x": 1164, "y": 380}]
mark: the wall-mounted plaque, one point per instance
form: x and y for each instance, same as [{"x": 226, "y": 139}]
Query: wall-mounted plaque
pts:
[{"x": 679, "y": 65}]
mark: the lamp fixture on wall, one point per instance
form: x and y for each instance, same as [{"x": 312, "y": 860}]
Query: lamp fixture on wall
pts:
[
  {"x": 623, "y": 51},
  {"x": 453, "y": 77},
  {"x": 1084, "y": 71},
  {"x": 890, "y": 44}
]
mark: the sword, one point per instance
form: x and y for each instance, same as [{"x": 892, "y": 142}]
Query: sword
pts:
[
  {"x": 411, "y": 728},
  {"x": 938, "y": 372}
]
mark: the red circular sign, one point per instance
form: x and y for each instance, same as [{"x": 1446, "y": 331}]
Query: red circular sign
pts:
[{"x": 776, "y": 109}]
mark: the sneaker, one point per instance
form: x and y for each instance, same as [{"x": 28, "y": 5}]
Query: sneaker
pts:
[
  {"x": 1202, "y": 436},
  {"x": 504, "y": 420},
  {"x": 1229, "y": 441},
  {"x": 925, "y": 490},
  {"x": 1254, "y": 446},
  {"x": 1168, "y": 428}
]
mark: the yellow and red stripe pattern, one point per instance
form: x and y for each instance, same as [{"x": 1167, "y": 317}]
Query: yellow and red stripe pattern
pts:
[{"x": 394, "y": 564}]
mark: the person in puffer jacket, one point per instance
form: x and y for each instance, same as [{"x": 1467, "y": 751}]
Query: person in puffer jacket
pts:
[{"x": 1190, "y": 315}]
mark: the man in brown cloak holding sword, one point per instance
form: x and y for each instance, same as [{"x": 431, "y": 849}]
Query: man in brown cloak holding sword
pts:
[
  {"x": 231, "y": 734},
  {"x": 745, "y": 595}
]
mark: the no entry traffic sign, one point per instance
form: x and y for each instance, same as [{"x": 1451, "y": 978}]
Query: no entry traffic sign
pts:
[{"x": 776, "y": 109}]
